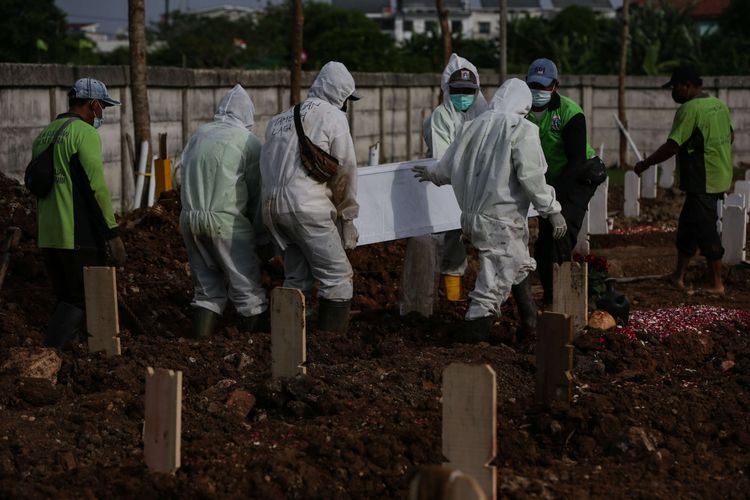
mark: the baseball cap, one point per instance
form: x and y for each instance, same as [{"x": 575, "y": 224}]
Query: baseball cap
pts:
[
  {"x": 91, "y": 88},
  {"x": 463, "y": 79},
  {"x": 542, "y": 71},
  {"x": 356, "y": 96},
  {"x": 683, "y": 74}
]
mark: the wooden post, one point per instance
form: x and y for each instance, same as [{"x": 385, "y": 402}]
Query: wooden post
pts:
[
  {"x": 432, "y": 481},
  {"x": 288, "y": 338},
  {"x": 163, "y": 168},
  {"x": 470, "y": 422},
  {"x": 102, "y": 319},
  {"x": 554, "y": 358},
  {"x": 570, "y": 291},
  {"x": 445, "y": 30},
  {"x": 632, "y": 206},
  {"x": 162, "y": 431},
  {"x": 418, "y": 279}
]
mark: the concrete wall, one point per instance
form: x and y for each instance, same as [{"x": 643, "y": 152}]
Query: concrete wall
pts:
[{"x": 391, "y": 112}]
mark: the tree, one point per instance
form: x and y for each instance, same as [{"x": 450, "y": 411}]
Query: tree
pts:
[
  {"x": 727, "y": 50},
  {"x": 138, "y": 76},
  {"x": 445, "y": 30},
  {"x": 35, "y": 31},
  {"x": 621, "y": 79},
  {"x": 298, "y": 18}
]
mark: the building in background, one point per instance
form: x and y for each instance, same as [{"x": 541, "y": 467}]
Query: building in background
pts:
[{"x": 474, "y": 19}]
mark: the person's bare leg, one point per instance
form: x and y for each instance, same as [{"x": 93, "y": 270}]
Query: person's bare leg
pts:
[
  {"x": 714, "y": 277},
  {"x": 677, "y": 278}
]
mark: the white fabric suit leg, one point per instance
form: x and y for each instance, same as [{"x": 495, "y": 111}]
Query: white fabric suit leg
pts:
[
  {"x": 318, "y": 242},
  {"x": 225, "y": 269},
  {"x": 501, "y": 265}
]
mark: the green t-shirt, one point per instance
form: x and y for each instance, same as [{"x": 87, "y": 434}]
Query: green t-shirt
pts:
[
  {"x": 551, "y": 124},
  {"x": 78, "y": 211},
  {"x": 703, "y": 129}
]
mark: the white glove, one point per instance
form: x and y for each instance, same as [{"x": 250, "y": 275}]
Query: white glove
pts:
[
  {"x": 349, "y": 234},
  {"x": 559, "y": 227},
  {"x": 421, "y": 173}
]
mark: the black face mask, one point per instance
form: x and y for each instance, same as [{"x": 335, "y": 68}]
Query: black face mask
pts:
[
  {"x": 677, "y": 98},
  {"x": 343, "y": 108}
]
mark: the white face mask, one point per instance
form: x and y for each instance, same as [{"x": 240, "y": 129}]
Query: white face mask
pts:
[
  {"x": 540, "y": 98},
  {"x": 98, "y": 121}
]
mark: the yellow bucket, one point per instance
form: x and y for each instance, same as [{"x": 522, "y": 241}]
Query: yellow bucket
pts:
[{"x": 452, "y": 287}]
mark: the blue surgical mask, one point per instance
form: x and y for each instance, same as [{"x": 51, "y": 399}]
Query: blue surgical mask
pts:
[
  {"x": 98, "y": 121},
  {"x": 462, "y": 102},
  {"x": 540, "y": 98}
]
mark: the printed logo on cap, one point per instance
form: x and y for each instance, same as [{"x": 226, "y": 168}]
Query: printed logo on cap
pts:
[
  {"x": 539, "y": 70},
  {"x": 465, "y": 75}
]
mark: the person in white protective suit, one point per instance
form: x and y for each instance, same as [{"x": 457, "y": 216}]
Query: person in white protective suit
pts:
[
  {"x": 496, "y": 168},
  {"x": 220, "y": 220},
  {"x": 311, "y": 221},
  {"x": 462, "y": 101}
]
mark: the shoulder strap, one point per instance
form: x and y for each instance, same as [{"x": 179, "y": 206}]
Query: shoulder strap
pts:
[
  {"x": 60, "y": 130},
  {"x": 298, "y": 124}
]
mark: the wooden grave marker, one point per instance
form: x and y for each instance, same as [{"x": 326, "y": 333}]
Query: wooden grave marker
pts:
[
  {"x": 442, "y": 483},
  {"x": 554, "y": 358},
  {"x": 288, "y": 337},
  {"x": 743, "y": 188},
  {"x": 598, "y": 209},
  {"x": 570, "y": 291},
  {"x": 470, "y": 422},
  {"x": 102, "y": 317},
  {"x": 582, "y": 243},
  {"x": 632, "y": 206},
  {"x": 734, "y": 229},
  {"x": 649, "y": 182},
  {"x": 162, "y": 431},
  {"x": 419, "y": 276},
  {"x": 666, "y": 174}
]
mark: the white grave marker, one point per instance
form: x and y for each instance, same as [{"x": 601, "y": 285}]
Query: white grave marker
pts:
[
  {"x": 648, "y": 183},
  {"x": 632, "y": 189},
  {"x": 743, "y": 188},
  {"x": 734, "y": 235},
  {"x": 598, "y": 209},
  {"x": 666, "y": 175}
]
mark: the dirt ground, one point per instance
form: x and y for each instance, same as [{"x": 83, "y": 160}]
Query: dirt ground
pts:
[{"x": 660, "y": 408}]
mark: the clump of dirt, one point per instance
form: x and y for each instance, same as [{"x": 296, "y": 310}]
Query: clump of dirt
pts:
[{"x": 651, "y": 416}]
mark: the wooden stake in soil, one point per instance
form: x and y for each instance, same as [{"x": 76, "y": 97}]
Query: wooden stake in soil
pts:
[
  {"x": 163, "y": 430},
  {"x": 469, "y": 422},
  {"x": 442, "y": 483},
  {"x": 632, "y": 206},
  {"x": 102, "y": 319},
  {"x": 570, "y": 291},
  {"x": 554, "y": 358},
  {"x": 288, "y": 338},
  {"x": 419, "y": 277}
]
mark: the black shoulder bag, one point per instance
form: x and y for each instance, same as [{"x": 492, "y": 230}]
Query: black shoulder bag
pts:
[
  {"x": 320, "y": 165},
  {"x": 40, "y": 172}
]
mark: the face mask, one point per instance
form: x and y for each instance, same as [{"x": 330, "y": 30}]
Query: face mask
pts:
[
  {"x": 98, "y": 120},
  {"x": 343, "y": 108},
  {"x": 540, "y": 98},
  {"x": 676, "y": 97},
  {"x": 462, "y": 102}
]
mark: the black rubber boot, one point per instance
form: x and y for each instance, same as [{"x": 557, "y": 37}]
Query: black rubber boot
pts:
[
  {"x": 526, "y": 309},
  {"x": 475, "y": 330},
  {"x": 204, "y": 322},
  {"x": 257, "y": 323},
  {"x": 333, "y": 315},
  {"x": 65, "y": 325}
]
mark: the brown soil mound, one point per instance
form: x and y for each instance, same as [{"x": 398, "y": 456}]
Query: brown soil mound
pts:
[{"x": 651, "y": 417}]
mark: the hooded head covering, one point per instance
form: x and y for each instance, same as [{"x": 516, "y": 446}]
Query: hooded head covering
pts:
[
  {"x": 334, "y": 84},
  {"x": 513, "y": 97},
  {"x": 480, "y": 104},
  {"x": 236, "y": 108}
]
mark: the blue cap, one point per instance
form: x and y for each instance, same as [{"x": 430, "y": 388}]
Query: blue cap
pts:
[
  {"x": 91, "y": 88},
  {"x": 542, "y": 71}
]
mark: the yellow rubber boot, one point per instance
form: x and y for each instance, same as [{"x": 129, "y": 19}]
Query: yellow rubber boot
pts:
[{"x": 452, "y": 287}]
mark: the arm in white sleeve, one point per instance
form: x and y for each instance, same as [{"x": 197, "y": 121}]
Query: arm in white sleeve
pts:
[
  {"x": 529, "y": 164},
  {"x": 344, "y": 184}
]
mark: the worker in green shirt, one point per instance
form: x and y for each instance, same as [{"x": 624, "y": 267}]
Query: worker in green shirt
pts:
[
  {"x": 76, "y": 223},
  {"x": 702, "y": 138},
  {"x": 562, "y": 130}
]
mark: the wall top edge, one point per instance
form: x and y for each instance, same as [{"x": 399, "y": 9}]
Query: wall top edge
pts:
[{"x": 59, "y": 75}]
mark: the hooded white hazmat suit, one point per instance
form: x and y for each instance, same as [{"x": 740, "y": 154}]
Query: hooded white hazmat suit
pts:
[
  {"x": 220, "y": 219},
  {"x": 496, "y": 167},
  {"x": 439, "y": 131},
  {"x": 301, "y": 213}
]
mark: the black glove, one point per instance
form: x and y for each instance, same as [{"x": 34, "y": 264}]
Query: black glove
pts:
[{"x": 116, "y": 251}]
